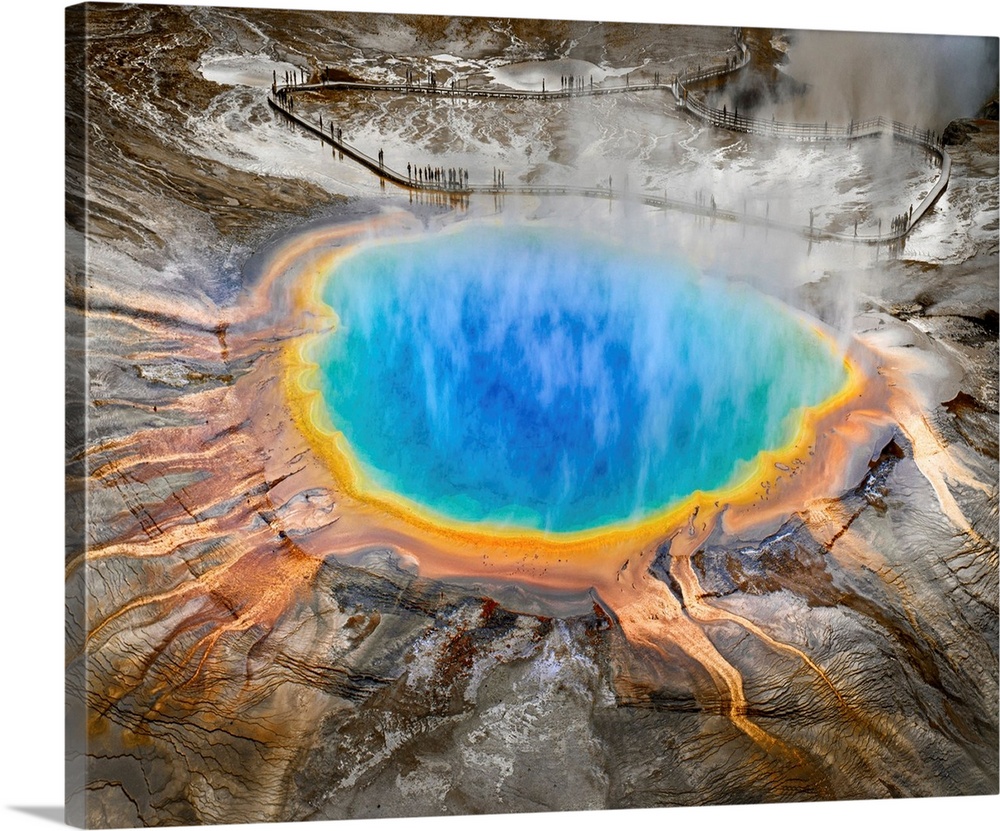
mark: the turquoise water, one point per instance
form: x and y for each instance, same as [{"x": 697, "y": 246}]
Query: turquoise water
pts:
[{"x": 523, "y": 377}]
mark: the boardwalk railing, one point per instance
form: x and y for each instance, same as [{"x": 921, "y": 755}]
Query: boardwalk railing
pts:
[
  {"x": 870, "y": 128},
  {"x": 281, "y": 99},
  {"x": 475, "y": 92}
]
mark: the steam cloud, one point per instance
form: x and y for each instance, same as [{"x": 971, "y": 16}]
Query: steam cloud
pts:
[{"x": 926, "y": 80}]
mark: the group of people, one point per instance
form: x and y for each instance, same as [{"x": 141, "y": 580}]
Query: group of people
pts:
[
  {"x": 901, "y": 222},
  {"x": 428, "y": 176},
  {"x": 451, "y": 178},
  {"x": 293, "y": 77},
  {"x": 411, "y": 79},
  {"x": 574, "y": 81}
]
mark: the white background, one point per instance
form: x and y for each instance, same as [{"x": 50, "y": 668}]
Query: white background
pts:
[{"x": 31, "y": 654}]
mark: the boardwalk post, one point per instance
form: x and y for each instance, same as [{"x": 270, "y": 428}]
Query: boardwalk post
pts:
[{"x": 440, "y": 180}]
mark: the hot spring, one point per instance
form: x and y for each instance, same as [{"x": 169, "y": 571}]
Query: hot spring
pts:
[{"x": 527, "y": 379}]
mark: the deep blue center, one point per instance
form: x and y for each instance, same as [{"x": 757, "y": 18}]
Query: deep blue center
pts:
[{"x": 522, "y": 376}]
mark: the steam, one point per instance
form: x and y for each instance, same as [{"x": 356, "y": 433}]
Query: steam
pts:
[
  {"x": 556, "y": 384},
  {"x": 926, "y": 80}
]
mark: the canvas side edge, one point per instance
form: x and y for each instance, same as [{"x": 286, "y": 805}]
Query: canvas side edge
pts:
[{"x": 75, "y": 411}]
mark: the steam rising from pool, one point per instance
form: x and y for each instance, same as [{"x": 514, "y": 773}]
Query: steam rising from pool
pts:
[{"x": 518, "y": 377}]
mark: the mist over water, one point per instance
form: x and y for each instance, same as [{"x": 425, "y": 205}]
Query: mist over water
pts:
[
  {"x": 924, "y": 80},
  {"x": 517, "y": 376}
]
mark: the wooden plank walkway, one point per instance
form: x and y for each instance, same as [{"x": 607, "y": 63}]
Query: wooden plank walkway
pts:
[{"x": 281, "y": 99}]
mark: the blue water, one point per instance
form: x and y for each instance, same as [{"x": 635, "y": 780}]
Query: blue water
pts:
[{"x": 522, "y": 376}]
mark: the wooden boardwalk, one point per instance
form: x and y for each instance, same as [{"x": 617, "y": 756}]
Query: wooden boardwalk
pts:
[
  {"x": 476, "y": 92},
  {"x": 684, "y": 90}
]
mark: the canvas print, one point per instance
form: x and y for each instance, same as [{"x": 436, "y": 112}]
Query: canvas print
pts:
[{"x": 481, "y": 415}]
